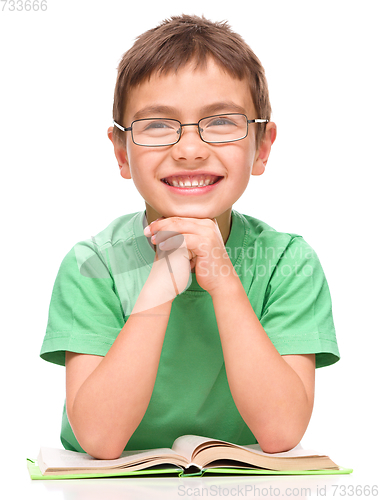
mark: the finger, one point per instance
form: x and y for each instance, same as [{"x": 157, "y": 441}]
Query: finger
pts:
[
  {"x": 192, "y": 246},
  {"x": 190, "y": 230},
  {"x": 192, "y": 257},
  {"x": 177, "y": 239},
  {"x": 178, "y": 224},
  {"x": 169, "y": 240},
  {"x": 169, "y": 246}
]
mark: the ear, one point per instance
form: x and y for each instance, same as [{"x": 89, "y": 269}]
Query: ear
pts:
[
  {"x": 264, "y": 149},
  {"x": 121, "y": 155}
]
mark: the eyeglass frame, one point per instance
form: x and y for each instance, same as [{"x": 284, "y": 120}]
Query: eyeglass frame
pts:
[{"x": 181, "y": 125}]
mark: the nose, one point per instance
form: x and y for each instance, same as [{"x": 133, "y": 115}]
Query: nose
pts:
[{"x": 190, "y": 146}]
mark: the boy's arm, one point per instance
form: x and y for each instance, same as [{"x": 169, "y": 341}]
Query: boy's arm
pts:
[
  {"x": 274, "y": 394},
  {"x": 106, "y": 397}
]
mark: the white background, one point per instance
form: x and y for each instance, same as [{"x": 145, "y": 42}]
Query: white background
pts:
[{"x": 60, "y": 184}]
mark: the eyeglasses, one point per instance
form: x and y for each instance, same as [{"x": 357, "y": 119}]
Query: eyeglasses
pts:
[{"x": 216, "y": 129}]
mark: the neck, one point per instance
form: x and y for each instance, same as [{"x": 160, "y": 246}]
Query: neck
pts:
[{"x": 223, "y": 220}]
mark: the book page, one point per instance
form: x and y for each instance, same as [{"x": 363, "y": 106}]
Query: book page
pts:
[
  {"x": 185, "y": 446},
  {"x": 65, "y": 459},
  {"x": 297, "y": 451}
]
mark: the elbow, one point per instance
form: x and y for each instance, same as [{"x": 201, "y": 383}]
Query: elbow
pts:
[
  {"x": 102, "y": 449},
  {"x": 276, "y": 446},
  {"x": 104, "y": 453},
  {"x": 98, "y": 443},
  {"x": 103, "y": 445},
  {"x": 279, "y": 437},
  {"x": 279, "y": 444}
]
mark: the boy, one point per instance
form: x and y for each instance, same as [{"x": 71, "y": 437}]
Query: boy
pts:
[{"x": 189, "y": 318}]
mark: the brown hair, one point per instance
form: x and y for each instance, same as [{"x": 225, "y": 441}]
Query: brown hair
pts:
[{"x": 179, "y": 40}]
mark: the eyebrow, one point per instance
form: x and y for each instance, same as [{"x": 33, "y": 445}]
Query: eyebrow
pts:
[{"x": 169, "y": 111}]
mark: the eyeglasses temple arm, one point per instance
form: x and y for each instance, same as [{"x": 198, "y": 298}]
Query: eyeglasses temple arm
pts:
[
  {"x": 258, "y": 120},
  {"x": 121, "y": 127}
]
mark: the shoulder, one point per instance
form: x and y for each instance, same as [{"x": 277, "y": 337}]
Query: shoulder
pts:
[
  {"x": 90, "y": 254},
  {"x": 119, "y": 230},
  {"x": 270, "y": 243}
]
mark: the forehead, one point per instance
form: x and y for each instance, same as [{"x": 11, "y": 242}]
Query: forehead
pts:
[{"x": 190, "y": 92}]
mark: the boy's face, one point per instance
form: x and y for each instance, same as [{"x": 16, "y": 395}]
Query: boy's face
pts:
[{"x": 188, "y": 96}]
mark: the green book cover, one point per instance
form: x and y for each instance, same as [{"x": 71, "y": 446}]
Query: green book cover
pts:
[
  {"x": 35, "y": 472},
  {"x": 189, "y": 456}
]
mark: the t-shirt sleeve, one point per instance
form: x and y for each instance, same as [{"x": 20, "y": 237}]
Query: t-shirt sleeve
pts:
[
  {"x": 297, "y": 312},
  {"x": 85, "y": 313}
]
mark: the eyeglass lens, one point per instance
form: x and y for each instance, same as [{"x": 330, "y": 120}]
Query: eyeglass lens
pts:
[{"x": 214, "y": 129}]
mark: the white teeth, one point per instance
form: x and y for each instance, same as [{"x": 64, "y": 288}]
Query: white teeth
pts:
[{"x": 192, "y": 183}]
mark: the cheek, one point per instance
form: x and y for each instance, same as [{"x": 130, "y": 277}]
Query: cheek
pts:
[
  {"x": 144, "y": 164},
  {"x": 135, "y": 155},
  {"x": 241, "y": 159}
]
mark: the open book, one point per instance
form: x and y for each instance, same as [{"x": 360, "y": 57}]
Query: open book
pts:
[{"x": 189, "y": 455}]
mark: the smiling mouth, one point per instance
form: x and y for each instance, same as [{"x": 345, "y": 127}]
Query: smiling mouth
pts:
[{"x": 191, "y": 181}]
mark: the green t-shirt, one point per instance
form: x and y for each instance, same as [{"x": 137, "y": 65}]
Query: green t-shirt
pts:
[{"x": 98, "y": 284}]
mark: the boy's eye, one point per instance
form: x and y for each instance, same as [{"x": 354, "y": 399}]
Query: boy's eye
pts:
[
  {"x": 220, "y": 125},
  {"x": 151, "y": 125},
  {"x": 220, "y": 121},
  {"x": 155, "y": 131},
  {"x": 156, "y": 128},
  {"x": 159, "y": 125}
]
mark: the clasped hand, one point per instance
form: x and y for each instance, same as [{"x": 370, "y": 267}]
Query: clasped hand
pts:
[{"x": 186, "y": 244}]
